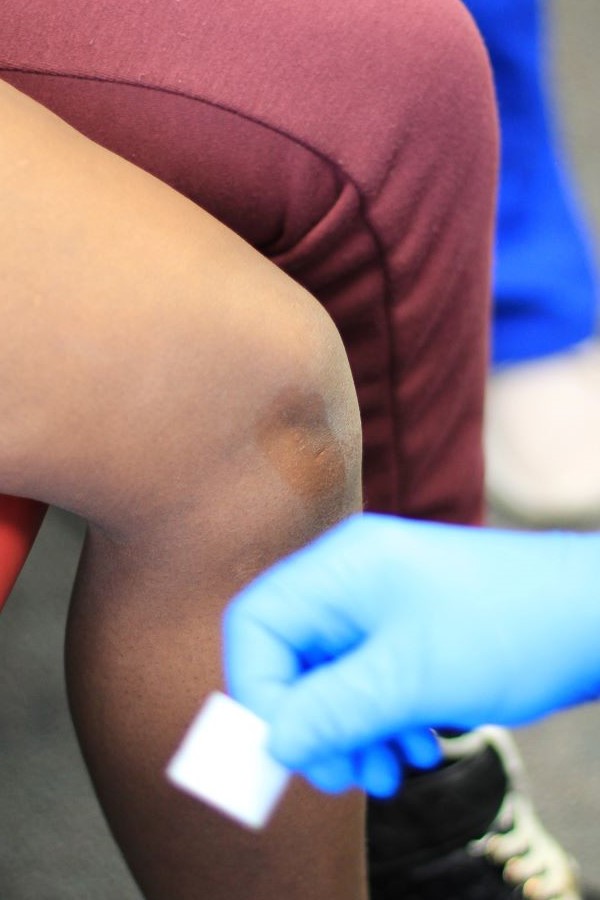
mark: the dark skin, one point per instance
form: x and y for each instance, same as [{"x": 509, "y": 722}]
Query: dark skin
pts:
[{"x": 195, "y": 405}]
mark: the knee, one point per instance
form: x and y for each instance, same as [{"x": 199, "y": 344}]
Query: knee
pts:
[
  {"x": 308, "y": 433},
  {"x": 253, "y": 449},
  {"x": 290, "y": 462}
]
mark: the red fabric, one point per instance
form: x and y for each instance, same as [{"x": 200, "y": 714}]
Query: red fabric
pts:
[
  {"x": 19, "y": 523},
  {"x": 354, "y": 143}
]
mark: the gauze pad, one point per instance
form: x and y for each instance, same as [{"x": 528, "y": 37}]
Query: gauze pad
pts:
[{"x": 223, "y": 761}]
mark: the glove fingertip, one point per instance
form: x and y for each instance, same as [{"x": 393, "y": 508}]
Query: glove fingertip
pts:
[
  {"x": 421, "y": 748},
  {"x": 333, "y": 775},
  {"x": 380, "y": 771}
]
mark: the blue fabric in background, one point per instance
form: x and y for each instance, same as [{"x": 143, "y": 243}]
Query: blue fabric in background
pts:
[{"x": 545, "y": 280}]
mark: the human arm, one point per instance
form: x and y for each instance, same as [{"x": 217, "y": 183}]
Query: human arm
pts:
[{"x": 386, "y": 627}]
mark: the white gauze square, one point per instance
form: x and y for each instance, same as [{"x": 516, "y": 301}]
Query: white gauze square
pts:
[{"x": 223, "y": 761}]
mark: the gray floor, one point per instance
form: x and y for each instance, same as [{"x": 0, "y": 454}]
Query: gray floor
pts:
[{"x": 53, "y": 842}]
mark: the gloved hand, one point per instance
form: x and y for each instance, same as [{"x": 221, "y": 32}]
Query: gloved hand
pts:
[{"x": 354, "y": 647}]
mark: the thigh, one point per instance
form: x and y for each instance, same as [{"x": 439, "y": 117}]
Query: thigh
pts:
[{"x": 354, "y": 143}]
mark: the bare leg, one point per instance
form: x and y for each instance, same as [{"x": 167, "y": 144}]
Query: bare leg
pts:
[
  {"x": 144, "y": 647},
  {"x": 196, "y": 406}
]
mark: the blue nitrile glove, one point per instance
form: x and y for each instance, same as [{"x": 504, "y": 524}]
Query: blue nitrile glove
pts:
[{"x": 383, "y": 628}]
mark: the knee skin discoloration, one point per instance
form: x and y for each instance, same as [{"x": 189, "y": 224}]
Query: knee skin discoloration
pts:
[{"x": 318, "y": 464}]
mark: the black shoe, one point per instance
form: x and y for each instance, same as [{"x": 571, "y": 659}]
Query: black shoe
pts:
[{"x": 467, "y": 831}]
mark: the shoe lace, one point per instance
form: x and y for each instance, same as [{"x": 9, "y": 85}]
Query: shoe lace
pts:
[{"x": 530, "y": 858}]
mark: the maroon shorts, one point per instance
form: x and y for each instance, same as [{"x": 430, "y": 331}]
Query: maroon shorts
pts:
[{"x": 354, "y": 143}]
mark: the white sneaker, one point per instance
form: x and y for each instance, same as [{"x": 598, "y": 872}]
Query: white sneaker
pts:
[
  {"x": 532, "y": 862},
  {"x": 542, "y": 439}
]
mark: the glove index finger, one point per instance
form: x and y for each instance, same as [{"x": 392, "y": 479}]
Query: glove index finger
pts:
[
  {"x": 290, "y": 619},
  {"x": 259, "y": 664}
]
